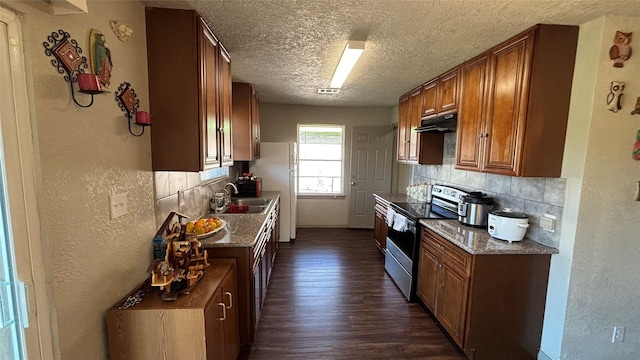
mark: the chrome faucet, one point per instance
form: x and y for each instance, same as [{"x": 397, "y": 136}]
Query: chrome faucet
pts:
[{"x": 235, "y": 189}]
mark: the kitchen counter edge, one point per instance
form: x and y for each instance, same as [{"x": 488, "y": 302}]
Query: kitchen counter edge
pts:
[
  {"x": 478, "y": 241},
  {"x": 242, "y": 230}
]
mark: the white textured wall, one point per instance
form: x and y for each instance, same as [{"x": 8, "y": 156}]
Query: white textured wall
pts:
[
  {"x": 86, "y": 155},
  {"x": 279, "y": 123},
  {"x": 593, "y": 280},
  {"x": 605, "y": 274}
]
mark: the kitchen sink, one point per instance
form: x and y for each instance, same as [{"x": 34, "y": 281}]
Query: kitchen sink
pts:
[
  {"x": 251, "y": 202},
  {"x": 254, "y": 206}
]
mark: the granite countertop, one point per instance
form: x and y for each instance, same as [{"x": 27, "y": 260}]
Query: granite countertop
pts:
[
  {"x": 242, "y": 229},
  {"x": 398, "y": 198},
  {"x": 478, "y": 241}
]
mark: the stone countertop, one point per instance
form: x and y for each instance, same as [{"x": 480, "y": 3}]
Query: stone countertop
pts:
[
  {"x": 478, "y": 241},
  {"x": 242, "y": 229},
  {"x": 398, "y": 198}
]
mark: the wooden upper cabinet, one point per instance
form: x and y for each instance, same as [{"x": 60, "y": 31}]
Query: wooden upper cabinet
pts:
[
  {"x": 473, "y": 85},
  {"x": 415, "y": 109},
  {"x": 189, "y": 77},
  {"x": 208, "y": 49},
  {"x": 403, "y": 125},
  {"x": 413, "y": 147},
  {"x": 226, "y": 126},
  {"x": 440, "y": 95},
  {"x": 526, "y": 105},
  {"x": 429, "y": 96},
  {"x": 246, "y": 122},
  {"x": 447, "y": 96}
]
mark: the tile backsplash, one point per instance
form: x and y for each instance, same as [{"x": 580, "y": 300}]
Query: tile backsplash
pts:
[
  {"x": 532, "y": 196},
  {"x": 194, "y": 189}
]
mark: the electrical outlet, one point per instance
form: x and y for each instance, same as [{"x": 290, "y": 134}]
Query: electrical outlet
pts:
[
  {"x": 118, "y": 205},
  {"x": 618, "y": 334},
  {"x": 548, "y": 222}
]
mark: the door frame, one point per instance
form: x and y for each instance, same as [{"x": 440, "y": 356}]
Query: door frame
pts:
[{"x": 24, "y": 190}]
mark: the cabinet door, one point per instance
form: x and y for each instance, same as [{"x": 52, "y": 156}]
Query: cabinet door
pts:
[
  {"x": 473, "y": 84},
  {"x": 452, "y": 301},
  {"x": 214, "y": 320},
  {"x": 231, "y": 332},
  {"x": 429, "y": 98},
  {"x": 255, "y": 123},
  {"x": 209, "y": 96},
  {"x": 225, "y": 139},
  {"x": 403, "y": 125},
  {"x": 380, "y": 231},
  {"x": 447, "y": 99},
  {"x": 257, "y": 295},
  {"x": 415, "y": 110},
  {"x": 427, "y": 289},
  {"x": 507, "y": 105}
]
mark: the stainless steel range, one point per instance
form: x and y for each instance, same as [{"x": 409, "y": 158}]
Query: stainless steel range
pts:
[{"x": 403, "y": 239}]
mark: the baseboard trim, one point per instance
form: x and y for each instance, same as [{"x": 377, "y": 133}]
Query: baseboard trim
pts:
[{"x": 543, "y": 356}]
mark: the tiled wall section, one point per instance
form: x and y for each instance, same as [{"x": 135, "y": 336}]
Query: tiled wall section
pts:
[
  {"x": 197, "y": 193},
  {"x": 533, "y": 196}
]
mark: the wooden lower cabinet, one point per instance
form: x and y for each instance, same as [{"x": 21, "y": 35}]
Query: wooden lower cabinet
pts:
[
  {"x": 254, "y": 271},
  {"x": 491, "y": 305},
  {"x": 200, "y": 325},
  {"x": 380, "y": 227}
]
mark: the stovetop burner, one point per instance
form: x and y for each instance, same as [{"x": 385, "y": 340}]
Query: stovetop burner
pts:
[
  {"x": 443, "y": 205},
  {"x": 417, "y": 211}
]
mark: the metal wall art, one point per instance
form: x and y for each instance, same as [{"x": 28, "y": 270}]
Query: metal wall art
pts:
[
  {"x": 615, "y": 96},
  {"x": 67, "y": 58},
  {"x": 129, "y": 103},
  {"x": 620, "y": 51}
]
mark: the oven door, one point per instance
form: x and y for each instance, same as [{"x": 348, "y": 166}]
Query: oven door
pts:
[{"x": 398, "y": 262}]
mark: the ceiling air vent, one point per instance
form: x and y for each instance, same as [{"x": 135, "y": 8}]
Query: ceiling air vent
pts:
[{"x": 328, "y": 91}]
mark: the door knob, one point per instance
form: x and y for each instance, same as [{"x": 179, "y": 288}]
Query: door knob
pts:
[{"x": 352, "y": 183}]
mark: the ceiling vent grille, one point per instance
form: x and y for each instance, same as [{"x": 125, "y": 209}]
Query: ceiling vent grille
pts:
[{"x": 328, "y": 91}]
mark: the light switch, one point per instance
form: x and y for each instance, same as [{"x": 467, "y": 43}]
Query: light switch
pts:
[{"x": 118, "y": 205}]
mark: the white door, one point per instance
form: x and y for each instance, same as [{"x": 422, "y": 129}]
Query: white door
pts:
[
  {"x": 371, "y": 157},
  {"x": 21, "y": 251}
]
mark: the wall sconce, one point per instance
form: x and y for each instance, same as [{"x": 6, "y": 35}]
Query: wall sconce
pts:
[
  {"x": 129, "y": 103},
  {"x": 67, "y": 59}
]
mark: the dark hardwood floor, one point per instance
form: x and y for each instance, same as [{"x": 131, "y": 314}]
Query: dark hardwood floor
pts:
[{"x": 330, "y": 298}]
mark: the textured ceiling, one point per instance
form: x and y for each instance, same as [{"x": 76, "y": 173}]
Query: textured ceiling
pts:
[{"x": 289, "y": 48}]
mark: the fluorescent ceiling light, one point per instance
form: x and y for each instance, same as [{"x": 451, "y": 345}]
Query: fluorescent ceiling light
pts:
[{"x": 350, "y": 56}]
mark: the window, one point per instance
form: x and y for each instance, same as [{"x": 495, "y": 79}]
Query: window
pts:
[{"x": 320, "y": 157}]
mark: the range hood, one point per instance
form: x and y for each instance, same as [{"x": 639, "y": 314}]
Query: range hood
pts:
[{"x": 441, "y": 123}]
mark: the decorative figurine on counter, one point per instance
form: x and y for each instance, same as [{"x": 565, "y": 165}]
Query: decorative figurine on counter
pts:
[
  {"x": 620, "y": 51},
  {"x": 615, "y": 96},
  {"x": 182, "y": 265},
  {"x": 636, "y": 148},
  {"x": 637, "y": 109},
  {"x": 101, "y": 63}
]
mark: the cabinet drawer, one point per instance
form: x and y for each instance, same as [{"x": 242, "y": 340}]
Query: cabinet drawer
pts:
[{"x": 450, "y": 254}]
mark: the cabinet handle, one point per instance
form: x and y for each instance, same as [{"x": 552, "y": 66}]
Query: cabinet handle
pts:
[
  {"x": 224, "y": 312},
  {"x": 440, "y": 247},
  {"x": 230, "y": 299},
  {"x": 480, "y": 136}
]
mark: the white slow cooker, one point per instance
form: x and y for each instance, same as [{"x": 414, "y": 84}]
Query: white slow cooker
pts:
[{"x": 508, "y": 225}]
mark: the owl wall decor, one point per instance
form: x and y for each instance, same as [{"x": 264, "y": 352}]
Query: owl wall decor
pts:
[
  {"x": 614, "y": 98},
  {"x": 620, "y": 51}
]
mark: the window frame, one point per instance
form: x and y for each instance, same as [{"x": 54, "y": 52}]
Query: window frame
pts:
[{"x": 342, "y": 193}]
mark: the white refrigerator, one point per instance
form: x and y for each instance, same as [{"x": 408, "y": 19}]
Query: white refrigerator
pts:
[{"x": 277, "y": 166}]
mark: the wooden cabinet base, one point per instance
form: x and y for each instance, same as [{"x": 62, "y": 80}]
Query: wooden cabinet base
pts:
[
  {"x": 491, "y": 305},
  {"x": 199, "y": 325}
]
